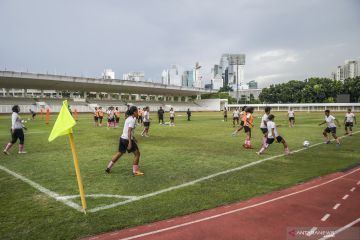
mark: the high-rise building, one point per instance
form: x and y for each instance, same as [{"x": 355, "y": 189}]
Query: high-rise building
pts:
[
  {"x": 217, "y": 82},
  {"x": 198, "y": 81},
  {"x": 172, "y": 76},
  {"x": 252, "y": 84},
  {"x": 350, "y": 69},
  {"x": 231, "y": 69},
  {"x": 108, "y": 74},
  {"x": 188, "y": 78}
]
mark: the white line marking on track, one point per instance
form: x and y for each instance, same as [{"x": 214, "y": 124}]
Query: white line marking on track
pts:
[
  {"x": 42, "y": 189},
  {"x": 202, "y": 179},
  {"x": 353, "y": 189},
  {"x": 311, "y": 232},
  {"x": 239, "y": 209},
  {"x": 325, "y": 217},
  {"x": 336, "y": 206},
  {"x": 345, "y": 197},
  {"x": 341, "y": 229}
]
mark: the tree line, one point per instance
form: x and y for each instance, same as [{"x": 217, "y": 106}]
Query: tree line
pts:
[{"x": 312, "y": 90}]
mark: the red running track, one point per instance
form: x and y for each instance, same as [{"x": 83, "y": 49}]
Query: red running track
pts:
[{"x": 330, "y": 201}]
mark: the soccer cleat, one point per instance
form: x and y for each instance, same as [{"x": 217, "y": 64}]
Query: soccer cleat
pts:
[
  {"x": 107, "y": 170},
  {"x": 258, "y": 153},
  {"x": 22, "y": 152},
  {"x": 6, "y": 152},
  {"x": 328, "y": 142},
  {"x": 138, "y": 173}
]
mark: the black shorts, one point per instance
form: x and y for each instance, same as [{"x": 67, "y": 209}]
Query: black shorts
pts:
[
  {"x": 34, "y": 114},
  {"x": 264, "y": 130},
  {"x": 117, "y": 119},
  {"x": 236, "y": 118},
  {"x": 123, "y": 144},
  {"x": 242, "y": 123},
  {"x": 271, "y": 140},
  {"x": 172, "y": 118},
  {"x": 247, "y": 129},
  {"x": 330, "y": 130},
  {"x": 17, "y": 134},
  {"x": 349, "y": 124},
  {"x": 225, "y": 116},
  {"x": 147, "y": 124},
  {"x": 96, "y": 118},
  {"x": 291, "y": 118},
  {"x": 161, "y": 117}
]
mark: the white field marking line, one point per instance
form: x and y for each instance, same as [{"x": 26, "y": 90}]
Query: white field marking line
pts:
[
  {"x": 42, "y": 189},
  {"x": 95, "y": 196},
  {"x": 200, "y": 179},
  {"x": 341, "y": 229},
  {"x": 311, "y": 232},
  {"x": 353, "y": 189},
  {"x": 240, "y": 209},
  {"x": 325, "y": 217},
  {"x": 336, "y": 206},
  {"x": 345, "y": 197}
]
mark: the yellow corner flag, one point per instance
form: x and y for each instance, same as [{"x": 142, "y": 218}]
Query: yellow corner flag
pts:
[{"x": 63, "y": 125}]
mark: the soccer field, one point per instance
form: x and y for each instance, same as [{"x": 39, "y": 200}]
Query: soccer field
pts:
[{"x": 187, "y": 168}]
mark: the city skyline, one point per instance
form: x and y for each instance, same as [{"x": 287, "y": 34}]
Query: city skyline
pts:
[{"x": 282, "y": 40}]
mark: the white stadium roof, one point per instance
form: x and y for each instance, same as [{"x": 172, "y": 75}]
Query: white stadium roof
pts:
[{"x": 22, "y": 80}]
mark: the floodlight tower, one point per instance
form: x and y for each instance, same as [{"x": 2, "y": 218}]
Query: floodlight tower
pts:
[{"x": 237, "y": 59}]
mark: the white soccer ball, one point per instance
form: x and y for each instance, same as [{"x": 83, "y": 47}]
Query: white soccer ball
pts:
[{"x": 306, "y": 144}]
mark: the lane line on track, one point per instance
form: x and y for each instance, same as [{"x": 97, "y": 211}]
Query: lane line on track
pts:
[
  {"x": 353, "y": 189},
  {"x": 345, "y": 197},
  {"x": 336, "y": 206},
  {"x": 325, "y": 217}
]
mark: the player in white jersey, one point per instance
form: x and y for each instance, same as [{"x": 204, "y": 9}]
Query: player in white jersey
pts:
[
  {"x": 128, "y": 142},
  {"x": 146, "y": 120},
  {"x": 273, "y": 135},
  {"x": 242, "y": 113},
  {"x": 263, "y": 124},
  {"x": 349, "y": 122},
  {"x": 236, "y": 116},
  {"x": 291, "y": 115},
  {"x": 172, "y": 117},
  {"x": 16, "y": 131},
  {"x": 331, "y": 127}
]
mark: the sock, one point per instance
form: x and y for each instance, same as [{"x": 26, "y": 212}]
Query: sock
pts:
[
  {"x": 111, "y": 163},
  {"x": 8, "y": 146},
  {"x": 135, "y": 168},
  {"x": 21, "y": 147},
  {"x": 262, "y": 150}
]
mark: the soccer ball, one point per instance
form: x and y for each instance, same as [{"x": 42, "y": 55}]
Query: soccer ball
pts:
[{"x": 306, "y": 144}]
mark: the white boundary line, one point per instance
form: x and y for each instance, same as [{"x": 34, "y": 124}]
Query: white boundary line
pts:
[
  {"x": 200, "y": 179},
  {"x": 42, "y": 189},
  {"x": 240, "y": 209},
  {"x": 95, "y": 196},
  {"x": 341, "y": 229}
]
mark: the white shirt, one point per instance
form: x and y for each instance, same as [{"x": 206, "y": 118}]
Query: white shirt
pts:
[
  {"x": 271, "y": 125},
  {"x": 264, "y": 119},
  {"x": 330, "y": 121},
  {"x": 172, "y": 114},
  {"x": 16, "y": 121},
  {"x": 349, "y": 117},
  {"x": 236, "y": 113},
  {"x": 146, "y": 116},
  {"x": 130, "y": 122},
  {"x": 291, "y": 113}
]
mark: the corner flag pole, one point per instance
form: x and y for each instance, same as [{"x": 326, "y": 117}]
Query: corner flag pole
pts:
[{"x": 77, "y": 170}]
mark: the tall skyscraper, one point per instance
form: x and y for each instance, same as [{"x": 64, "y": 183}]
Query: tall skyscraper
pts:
[{"x": 231, "y": 69}]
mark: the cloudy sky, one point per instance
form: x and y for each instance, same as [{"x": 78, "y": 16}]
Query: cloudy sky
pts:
[{"x": 282, "y": 39}]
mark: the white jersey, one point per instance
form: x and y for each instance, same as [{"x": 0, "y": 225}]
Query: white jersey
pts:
[
  {"x": 236, "y": 114},
  {"x": 130, "y": 122},
  {"x": 146, "y": 116},
  {"x": 349, "y": 117},
  {"x": 264, "y": 119},
  {"x": 172, "y": 114},
  {"x": 330, "y": 121},
  {"x": 16, "y": 121},
  {"x": 271, "y": 125},
  {"x": 291, "y": 113}
]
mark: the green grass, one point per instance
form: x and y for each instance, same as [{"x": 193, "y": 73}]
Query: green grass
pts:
[{"x": 171, "y": 156}]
